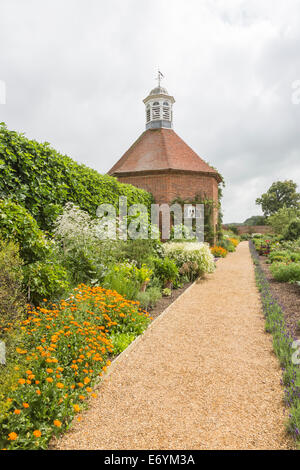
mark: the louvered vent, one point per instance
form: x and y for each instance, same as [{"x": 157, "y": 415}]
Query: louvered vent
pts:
[
  {"x": 148, "y": 114},
  {"x": 155, "y": 110},
  {"x": 166, "y": 111}
]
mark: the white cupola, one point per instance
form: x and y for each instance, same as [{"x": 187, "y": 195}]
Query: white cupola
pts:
[{"x": 159, "y": 107}]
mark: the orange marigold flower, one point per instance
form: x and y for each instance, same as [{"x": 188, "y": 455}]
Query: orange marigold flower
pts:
[
  {"x": 21, "y": 381},
  {"x": 49, "y": 371},
  {"x": 12, "y": 436},
  {"x": 76, "y": 408},
  {"x": 60, "y": 385},
  {"x": 57, "y": 423},
  {"x": 25, "y": 405},
  {"x": 38, "y": 392},
  {"x": 49, "y": 379},
  {"x": 17, "y": 412},
  {"x": 37, "y": 433},
  {"x": 87, "y": 380}
]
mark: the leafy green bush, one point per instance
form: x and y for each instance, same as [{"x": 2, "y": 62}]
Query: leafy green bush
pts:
[
  {"x": 45, "y": 279},
  {"x": 286, "y": 272},
  {"x": 17, "y": 225},
  {"x": 43, "y": 181},
  {"x": 165, "y": 269},
  {"x": 282, "y": 256},
  {"x": 149, "y": 298},
  {"x": 293, "y": 230},
  {"x": 126, "y": 279},
  {"x": 227, "y": 244},
  {"x": 12, "y": 298}
]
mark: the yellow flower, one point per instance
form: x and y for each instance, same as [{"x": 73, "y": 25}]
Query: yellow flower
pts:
[{"x": 76, "y": 408}]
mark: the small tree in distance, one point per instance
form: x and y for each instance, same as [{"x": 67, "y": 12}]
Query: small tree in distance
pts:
[{"x": 280, "y": 194}]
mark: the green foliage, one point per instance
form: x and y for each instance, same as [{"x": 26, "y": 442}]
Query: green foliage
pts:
[
  {"x": 121, "y": 341},
  {"x": 165, "y": 269},
  {"x": 43, "y": 181},
  {"x": 280, "y": 194},
  {"x": 227, "y": 244},
  {"x": 280, "y": 220},
  {"x": 286, "y": 272},
  {"x": 17, "y": 225},
  {"x": 45, "y": 279},
  {"x": 282, "y": 344},
  {"x": 281, "y": 256},
  {"x": 166, "y": 292},
  {"x": 293, "y": 230},
  {"x": 255, "y": 220},
  {"x": 12, "y": 299},
  {"x": 149, "y": 298},
  {"x": 127, "y": 279},
  {"x": 139, "y": 251}
]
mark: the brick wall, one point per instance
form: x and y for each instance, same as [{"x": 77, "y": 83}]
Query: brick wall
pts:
[
  {"x": 252, "y": 229},
  {"x": 166, "y": 187}
]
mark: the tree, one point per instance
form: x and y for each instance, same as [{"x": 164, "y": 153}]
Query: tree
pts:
[
  {"x": 280, "y": 194},
  {"x": 282, "y": 218},
  {"x": 255, "y": 220}
]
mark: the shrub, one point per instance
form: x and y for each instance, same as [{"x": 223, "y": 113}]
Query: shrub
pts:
[
  {"x": 149, "y": 298},
  {"x": 165, "y": 269},
  {"x": 218, "y": 251},
  {"x": 279, "y": 256},
  {"x": 45, "y": 279},
  {"x": 192, "y": 259},
  {"x": 227, "y": 244},
  {"x": 234, "y": 241},
  {"x": 12, "y": 298},
  {"x": 17, "y": 225},
  {"x": 286, "y": 272},
  {"x": 65, "y": 348},
  {"x": 293, "y": 230},
  {"x": 127, "y": 279}
]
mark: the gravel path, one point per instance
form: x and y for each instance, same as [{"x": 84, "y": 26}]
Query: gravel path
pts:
[{"x": 203, "y": 376}]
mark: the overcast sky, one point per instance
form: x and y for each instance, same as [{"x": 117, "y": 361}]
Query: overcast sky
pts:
[{"x": 76, "y": 73}]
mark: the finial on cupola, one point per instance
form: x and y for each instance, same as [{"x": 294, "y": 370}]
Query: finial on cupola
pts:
[{"x": 159, "y": 107}]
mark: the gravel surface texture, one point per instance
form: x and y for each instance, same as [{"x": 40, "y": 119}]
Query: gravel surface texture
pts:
[{"x": 203, "y": 376}]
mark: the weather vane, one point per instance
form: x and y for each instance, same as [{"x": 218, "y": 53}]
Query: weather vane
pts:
[{"x": 159, "y": 77}]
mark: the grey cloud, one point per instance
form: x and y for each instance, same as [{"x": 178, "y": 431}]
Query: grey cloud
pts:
[{"x": 76, "y": 74}]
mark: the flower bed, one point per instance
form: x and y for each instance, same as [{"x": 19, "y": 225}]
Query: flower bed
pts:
[
  {"x": 282, "y": 344},
  {"x": 61, "y": 351}
]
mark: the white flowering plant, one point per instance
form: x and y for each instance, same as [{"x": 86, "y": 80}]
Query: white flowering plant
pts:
[{"x": 193, "y": 259}]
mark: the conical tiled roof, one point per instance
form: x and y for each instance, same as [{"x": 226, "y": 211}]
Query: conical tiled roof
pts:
[{"x": 160, "y": 149}]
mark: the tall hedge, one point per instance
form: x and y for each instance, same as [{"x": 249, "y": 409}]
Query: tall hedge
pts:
[{"x": 41, "y": 179}]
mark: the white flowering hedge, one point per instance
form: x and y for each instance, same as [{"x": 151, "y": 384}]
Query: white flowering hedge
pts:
[{"x": 194, "y": 259}]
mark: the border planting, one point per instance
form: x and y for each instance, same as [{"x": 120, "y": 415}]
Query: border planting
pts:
[{"x": 282, "y": 344}]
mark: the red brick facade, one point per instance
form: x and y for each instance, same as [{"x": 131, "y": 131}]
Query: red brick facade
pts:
[{"x": 168, "y": 185}]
